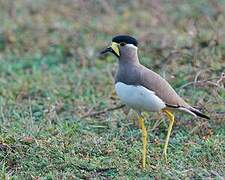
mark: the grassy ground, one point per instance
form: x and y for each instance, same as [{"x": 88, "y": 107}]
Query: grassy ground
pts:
[{"x": 51, "y": 76}]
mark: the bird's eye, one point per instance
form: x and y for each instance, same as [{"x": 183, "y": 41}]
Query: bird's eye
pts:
[{"x": 122, "y": 44}]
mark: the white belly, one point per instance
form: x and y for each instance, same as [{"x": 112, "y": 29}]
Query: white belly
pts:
[{"x": 139, "y": 97}]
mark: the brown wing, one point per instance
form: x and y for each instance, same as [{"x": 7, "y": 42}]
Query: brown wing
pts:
[
  {"x": 140, "y": 75},
  {"x": 161, "y": 87}
]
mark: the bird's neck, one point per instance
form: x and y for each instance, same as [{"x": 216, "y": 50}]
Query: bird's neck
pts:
[{"x": 131, "y": 57}]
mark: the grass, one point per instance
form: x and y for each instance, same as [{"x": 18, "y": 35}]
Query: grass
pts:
[{"x": 51, "y": 76}]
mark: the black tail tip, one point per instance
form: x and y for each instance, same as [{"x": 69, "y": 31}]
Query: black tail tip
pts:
[{"x": 200, "y": 114}]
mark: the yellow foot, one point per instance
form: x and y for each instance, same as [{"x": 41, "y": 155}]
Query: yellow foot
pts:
[
  {"x": 144, "y": 140},
  {"x": 165, "y": 156},
  {"x": 171, "y": 121}
]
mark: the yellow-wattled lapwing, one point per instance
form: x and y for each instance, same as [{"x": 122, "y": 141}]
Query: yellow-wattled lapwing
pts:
[{"x": 144, "y": 90}]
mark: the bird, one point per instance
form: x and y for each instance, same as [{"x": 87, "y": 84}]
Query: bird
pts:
[{"x": 144, "y": 90}]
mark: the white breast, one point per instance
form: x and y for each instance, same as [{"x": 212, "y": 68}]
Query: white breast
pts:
[{"x": 139, "y": 97}]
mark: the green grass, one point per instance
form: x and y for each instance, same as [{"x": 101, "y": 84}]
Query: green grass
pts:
[{"x": 51, "y": 76}]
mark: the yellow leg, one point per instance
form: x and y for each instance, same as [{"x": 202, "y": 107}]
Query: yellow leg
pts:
[
  {"x": 144, "y": 140},
  {"x": 171, "y": 121}
]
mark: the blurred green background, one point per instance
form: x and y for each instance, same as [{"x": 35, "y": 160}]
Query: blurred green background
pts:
[{"x": 51, "y": 76}]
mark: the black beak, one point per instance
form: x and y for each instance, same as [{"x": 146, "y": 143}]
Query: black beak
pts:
[{"x": 109, "y": 49}]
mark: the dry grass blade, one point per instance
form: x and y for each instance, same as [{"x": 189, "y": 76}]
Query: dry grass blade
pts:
[{"x": 98, "y": 113}]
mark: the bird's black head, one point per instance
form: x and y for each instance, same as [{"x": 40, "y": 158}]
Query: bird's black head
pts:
[
  {"x": 119, "y": 42},
  {"x": 126, "y": 39}
]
